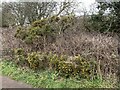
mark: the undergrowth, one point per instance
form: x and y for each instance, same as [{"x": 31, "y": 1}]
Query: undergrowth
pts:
[{"x": 49, "y": 79}]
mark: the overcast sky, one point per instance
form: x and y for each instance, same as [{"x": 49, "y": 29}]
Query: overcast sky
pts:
[{"x": 86, "y": 2}]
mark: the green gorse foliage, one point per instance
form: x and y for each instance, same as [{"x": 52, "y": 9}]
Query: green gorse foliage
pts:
[{"x": 76, "y": 66}]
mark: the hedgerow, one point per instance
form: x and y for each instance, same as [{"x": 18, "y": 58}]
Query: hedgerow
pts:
[{"x": 77, "y": 66}]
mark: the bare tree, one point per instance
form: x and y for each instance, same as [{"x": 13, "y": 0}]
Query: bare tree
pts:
[
  {"x": 36, "y": 10},
  {"x": 7, "y": 16}
]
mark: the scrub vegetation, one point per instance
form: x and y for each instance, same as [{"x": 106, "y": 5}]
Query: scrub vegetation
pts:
[{"x": 57, "y": 48}]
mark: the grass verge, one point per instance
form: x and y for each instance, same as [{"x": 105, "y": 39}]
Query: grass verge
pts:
[{"x": 48, "y": 79}]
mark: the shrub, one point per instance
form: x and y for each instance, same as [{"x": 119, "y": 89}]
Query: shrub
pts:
[
  {"x": 33, "y": 60},
  {"x": 37, "y": 61},
  {"x": 39, "y": 23},
  {"x": 58, "y": 63},
  {"x": 54, "y": 19},
  {"x": 21, "y": 33},
  {"x": 20, "y": 59},
  {"x": 84, "y": 67},
  {"x": 20, "y": 56},
  {"x": 45, "y": 29},
  {"x": 54, "y": 61},
  {"x": 65, "y": 68},
  {"x": 75, "y": 66},
  {"x": 78, "y": 66},
  {"x": 30, "y": 39},
  {"x": 19, "y": 51},
  {"x": 45, "y": 60}
]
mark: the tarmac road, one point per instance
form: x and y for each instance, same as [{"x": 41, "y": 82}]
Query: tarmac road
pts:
[{"x": 9, "y": 83}]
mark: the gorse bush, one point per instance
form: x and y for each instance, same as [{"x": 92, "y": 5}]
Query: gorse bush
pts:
[
  {"x": 54, "y": 61},
  {"x": 65, "y": 69},
  {"x": 64, "y": 65},
  {"x": 21, "y": 33},
  {"x": 37, "y": 60},
  {"x": 33, "y": 60},
  {"x": 19, "y": 55},
  {"x": 19, "y": 51},
  {"x": 41, "y": 31},
  {"x": 78, "y": 66}
]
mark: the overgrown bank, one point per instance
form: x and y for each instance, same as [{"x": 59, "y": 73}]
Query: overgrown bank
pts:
[
  {"x": 61, "y": 36},
  {"x": 57, "y": 44},
  {"x": 83, "y": 47},
  {"x": 49, "y": 79}
]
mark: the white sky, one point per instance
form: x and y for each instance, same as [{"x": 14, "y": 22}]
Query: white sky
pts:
[{"x": 85, "y": 3}]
